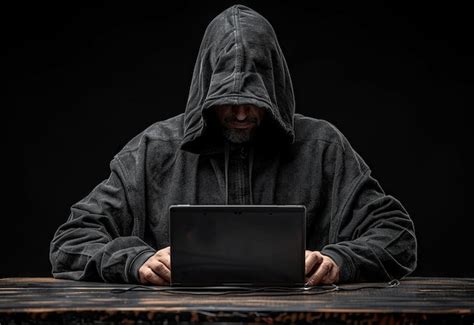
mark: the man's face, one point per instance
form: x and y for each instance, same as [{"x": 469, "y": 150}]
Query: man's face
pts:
[{"x": 239, "y": 122}]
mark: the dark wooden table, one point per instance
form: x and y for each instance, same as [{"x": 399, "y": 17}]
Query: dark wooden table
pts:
[{"x": 414, "y": 301}]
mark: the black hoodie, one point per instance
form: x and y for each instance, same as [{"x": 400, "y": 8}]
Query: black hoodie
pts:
[{"x": 185, "y": 160}]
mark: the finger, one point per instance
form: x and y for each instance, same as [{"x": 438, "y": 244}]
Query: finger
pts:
[
  {"x": 166, "y": 260},
  {"x": 149, "y": 277},
  {"x": 165, "y": 251},
  {"x": 320, "y": 273},
  {"x": 142, "y": 279},
  {"x": 161, "y": 269},
  {"x": 312, "y": 261},
  {"x": 312, "y": 258},
  {"x": 332, "y": 276}
]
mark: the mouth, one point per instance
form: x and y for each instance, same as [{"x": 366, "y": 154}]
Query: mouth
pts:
[{"x": 241, "y": 125}]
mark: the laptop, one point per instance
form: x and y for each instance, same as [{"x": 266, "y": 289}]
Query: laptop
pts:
[{"x": 237, "y": 245}]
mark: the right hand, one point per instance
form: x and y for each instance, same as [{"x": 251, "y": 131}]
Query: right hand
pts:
[{"x": 157, "y": 269}]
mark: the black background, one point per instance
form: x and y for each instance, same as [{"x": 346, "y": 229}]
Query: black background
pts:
[{"x": 83, "y": 80}]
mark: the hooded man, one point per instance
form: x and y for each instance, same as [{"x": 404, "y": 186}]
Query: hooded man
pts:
[{"x": 238, "y": 142}]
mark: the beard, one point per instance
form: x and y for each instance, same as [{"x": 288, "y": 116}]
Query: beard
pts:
[
  {"x": 236, "y": 135},
  {"x": 239, "y": 135}
]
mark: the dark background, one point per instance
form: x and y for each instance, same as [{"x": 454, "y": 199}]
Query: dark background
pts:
[{"x": 83, "y": 80}]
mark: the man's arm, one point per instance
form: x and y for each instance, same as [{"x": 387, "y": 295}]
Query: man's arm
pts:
[
  {"x": 372, "y": 237},
  {"x": 101, "y": 240}
]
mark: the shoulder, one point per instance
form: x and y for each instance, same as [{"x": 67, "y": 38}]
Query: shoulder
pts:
[
  {"x": 309, "y": 129},
  {"x": 162, "y": 137},
  {"x": 324, "y": 135},
  {"x": 166, "y": 131}
]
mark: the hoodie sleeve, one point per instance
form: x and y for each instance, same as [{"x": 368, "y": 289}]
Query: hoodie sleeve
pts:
[
  {"x": 97, "y": 241},
  {"x": 372, "y": 235}
]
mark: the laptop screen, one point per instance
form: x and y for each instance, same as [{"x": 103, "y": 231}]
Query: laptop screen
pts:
[{"x": 237, "y": 245}]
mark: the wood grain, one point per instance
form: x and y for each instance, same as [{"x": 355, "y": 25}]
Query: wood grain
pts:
[{"x": 415, "y": 299}]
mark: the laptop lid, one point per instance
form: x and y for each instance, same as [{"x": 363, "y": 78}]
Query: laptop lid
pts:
[{"x": 241, "y": 245}]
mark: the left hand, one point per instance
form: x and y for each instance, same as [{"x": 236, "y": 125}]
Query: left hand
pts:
[{"x": 320, "y": 269}]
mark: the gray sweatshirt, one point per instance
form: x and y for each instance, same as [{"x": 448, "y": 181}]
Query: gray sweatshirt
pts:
[{"x": 184, "y": 160}]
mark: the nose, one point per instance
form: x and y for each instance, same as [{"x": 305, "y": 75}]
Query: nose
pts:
[{"x": 240, "y": 112}]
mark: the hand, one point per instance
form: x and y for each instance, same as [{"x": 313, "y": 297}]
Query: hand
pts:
[
  {"x": 157, "y": 269},
  {"x": 320, "y": 269}
]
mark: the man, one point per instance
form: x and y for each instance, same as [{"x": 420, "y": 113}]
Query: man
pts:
[{"x": 238, "y": 142}]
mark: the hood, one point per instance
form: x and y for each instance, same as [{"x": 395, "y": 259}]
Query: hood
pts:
[{"x": 239, "y": 62}]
